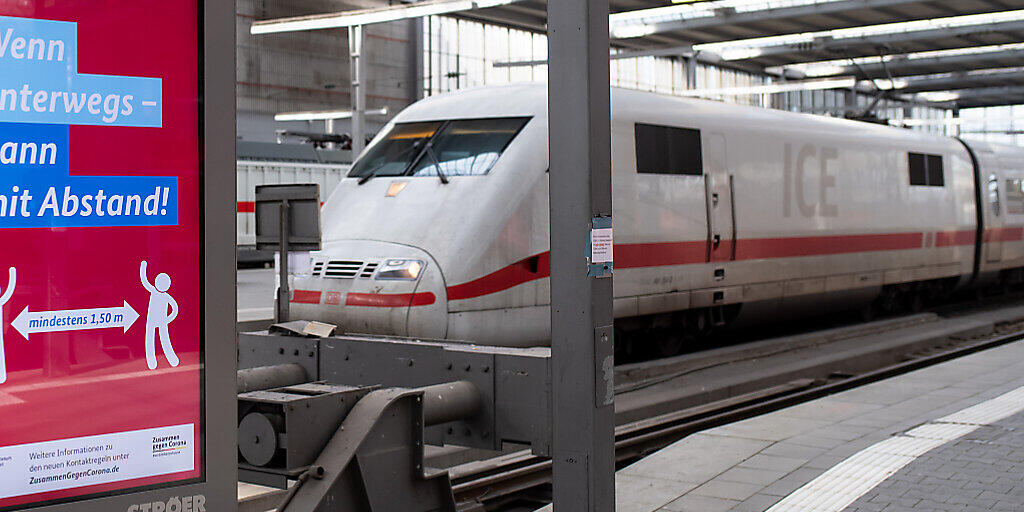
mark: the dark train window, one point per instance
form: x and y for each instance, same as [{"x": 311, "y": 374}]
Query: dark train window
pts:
[
  {"x": 927, "y": 170},
  {"x": 936, "y": 176},
  {"x": 668, "y": 150}
]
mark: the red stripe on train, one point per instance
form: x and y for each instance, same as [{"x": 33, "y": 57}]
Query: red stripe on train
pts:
[
  {"x": 825, "y": 245},
  {"x": 523, "y": 271},
  {"x": 305, "y": 297},
  {"x": 684, "y": 253},
  {"x": 377, "y": 300},
  {"x": 390, "y": 300},
  {"x": 250, "y": 206},
  {"x": 676, "y": 253},
  {"x": 954, "y": 238},
  {"x": 1004, "y": 234},
  {"x": 659, "y": 254},
  {"x": 950, "y": 238}
]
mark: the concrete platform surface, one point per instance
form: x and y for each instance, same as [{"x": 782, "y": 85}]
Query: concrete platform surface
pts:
[{"x": 945, "y": 438}]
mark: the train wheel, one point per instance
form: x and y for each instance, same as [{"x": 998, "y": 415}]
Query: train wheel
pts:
[
  {"x": 1010, "y": 282},
  {"x": 698, "y": 323},
  {"x": 870, "y": 311},
  {"x": 889, "y": 301},
  {"x": 623, "y": 344},
  {"x": 915, "y": 301},
  {"x": 668, "y": 344}
]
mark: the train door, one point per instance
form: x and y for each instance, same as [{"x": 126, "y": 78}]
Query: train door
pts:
[
  {"x": 721, "y": 245},
  {"x": 993, "y": 236}
]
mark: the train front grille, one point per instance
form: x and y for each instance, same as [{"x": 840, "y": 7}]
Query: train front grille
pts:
[{"x": 344, "y": 269}]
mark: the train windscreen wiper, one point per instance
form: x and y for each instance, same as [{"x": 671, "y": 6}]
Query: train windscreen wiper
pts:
[
  {"x": 369, "y": 176},
  {"x": 373, "y": 173},
  {"x": 437, "y": 163}
]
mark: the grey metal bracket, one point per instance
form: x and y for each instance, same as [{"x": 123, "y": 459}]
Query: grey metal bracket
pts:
[
  {"x": 272, "y": 350},
  {"x": 513, "y": 383},
  {"x": 370, "y": 464},
  {"x": 285, "y": 428}
]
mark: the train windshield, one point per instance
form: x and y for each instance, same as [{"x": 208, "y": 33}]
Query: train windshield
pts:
[
  {"x": 396, "y": 153},
  {"x": 456, "y": 148}
]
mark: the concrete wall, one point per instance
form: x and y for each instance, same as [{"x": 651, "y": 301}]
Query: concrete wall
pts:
[{"x": 310, "y": 70}]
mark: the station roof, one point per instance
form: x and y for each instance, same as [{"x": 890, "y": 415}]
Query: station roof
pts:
[
  {"x": 917, "y": 64},
  {"x": 986, "y": 96},
  {"x": 972, "y": 47},
  {"x": 652, "y": 23},
  {"x": 935, "y": 46}
]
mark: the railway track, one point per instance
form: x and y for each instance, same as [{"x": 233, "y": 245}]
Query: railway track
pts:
[{"x": 521, "y": 480}]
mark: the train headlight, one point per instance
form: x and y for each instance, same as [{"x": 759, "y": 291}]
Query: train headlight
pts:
[{"x": 400, "y": 270}]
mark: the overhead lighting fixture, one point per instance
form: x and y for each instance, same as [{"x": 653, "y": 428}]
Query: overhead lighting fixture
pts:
[
  {"x": 939, "y": 97},
  {"x": 955, "y": 121},
  {"x": 894, "y": 84},
  {"x": 632, "y": 31},
  {"x": 752, "y": 48},
  {"x": 828, "y": 68},
  {"x": 325, "y": 115},
  {"x": 677, "y": 51},
  {"x": 808, "y": 85},
  {"x": 741, "y": 53},
  {"x": 371, "y": 16},
  {"x": 685, "y": 10}
]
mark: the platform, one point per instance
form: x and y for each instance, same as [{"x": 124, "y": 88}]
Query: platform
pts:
[{"x": 945, "y": 438}]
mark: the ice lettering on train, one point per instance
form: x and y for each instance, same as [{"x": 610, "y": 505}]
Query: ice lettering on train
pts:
[{"x": 796, "y": 178}]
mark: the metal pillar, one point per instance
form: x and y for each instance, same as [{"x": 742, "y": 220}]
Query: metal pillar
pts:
[
  {"x": 329, "y": 130},
  {"x": 358, "y": 76},
  {"x": 850, "y": 106},
  {"x": 284, "y": 294},
  {"x": 415, "y": 76},
  {"x": 581, "y": 306},
  {"x": 907, "y": 112},
  {"x": 691, "y": 71}
]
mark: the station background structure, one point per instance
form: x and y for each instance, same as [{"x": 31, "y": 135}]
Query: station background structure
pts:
[
  {"x": 926, "y": 61},
  {"x": 797, "y": 55}
]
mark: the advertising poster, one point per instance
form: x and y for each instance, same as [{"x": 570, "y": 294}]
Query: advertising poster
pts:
[{"x": 101, "y": 345}]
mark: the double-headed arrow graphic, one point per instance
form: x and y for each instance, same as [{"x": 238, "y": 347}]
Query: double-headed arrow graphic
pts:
[{"x": 28, "y": 322}]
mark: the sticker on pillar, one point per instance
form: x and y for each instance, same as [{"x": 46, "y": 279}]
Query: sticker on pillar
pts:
[{"x": 600, "y": 248}]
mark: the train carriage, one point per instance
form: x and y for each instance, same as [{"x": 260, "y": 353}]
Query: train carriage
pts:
[{"x": 722, "y": 214}]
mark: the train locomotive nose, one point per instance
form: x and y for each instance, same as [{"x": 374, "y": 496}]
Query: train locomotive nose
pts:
[{"x": 373, "y": 288}]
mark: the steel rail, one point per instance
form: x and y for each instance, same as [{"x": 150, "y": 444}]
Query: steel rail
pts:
[{"x": 479, "y": 484}]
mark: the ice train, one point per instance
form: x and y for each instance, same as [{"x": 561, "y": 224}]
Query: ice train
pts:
[{"x": 721, "y": 213}]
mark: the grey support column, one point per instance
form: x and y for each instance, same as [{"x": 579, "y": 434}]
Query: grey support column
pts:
[
  {"x": 415, "y": 68},
  {"x": 581, "y": 305},
  {"x": 329, "y": 130},
  {"x": 851, "y": 106},
  {"x": 358, "y": 76},
  {"x": 691, "y": 71}
]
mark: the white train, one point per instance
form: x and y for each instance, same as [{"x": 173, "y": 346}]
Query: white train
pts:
[{"x": 721, "y": 214}]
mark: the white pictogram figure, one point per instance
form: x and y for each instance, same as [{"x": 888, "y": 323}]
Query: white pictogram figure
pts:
[
  {"x": 13, "y": 273},
  {"x": 157, "y": 318}
]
